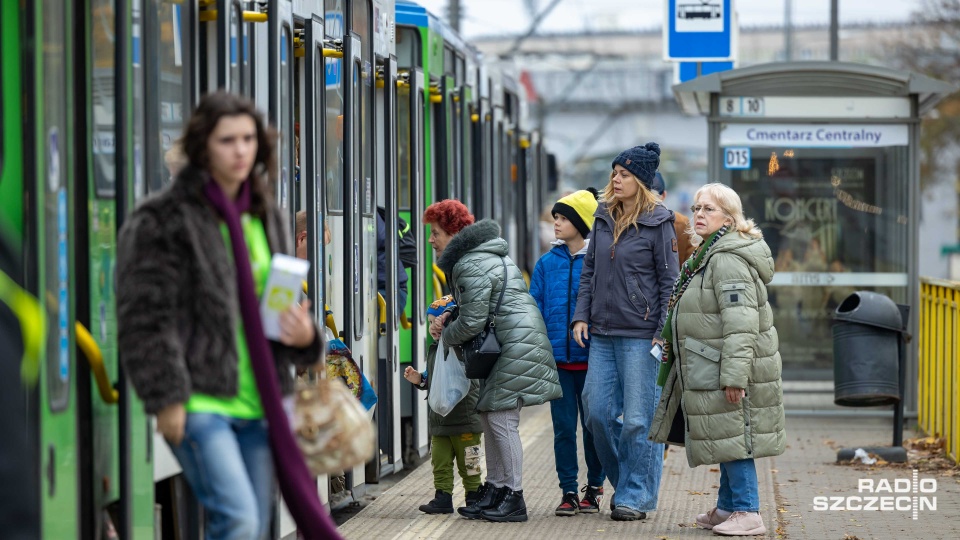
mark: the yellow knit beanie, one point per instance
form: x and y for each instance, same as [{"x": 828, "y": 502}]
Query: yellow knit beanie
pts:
[{"x": 578, "y": 207}]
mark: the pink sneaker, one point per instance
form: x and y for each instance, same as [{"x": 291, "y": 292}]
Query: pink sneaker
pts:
[
  {"x": 741, "y": 524},
  {"x": 711, "y": 519}
]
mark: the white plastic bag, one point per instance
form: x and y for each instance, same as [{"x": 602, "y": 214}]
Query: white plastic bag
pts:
[{"x": 448, "y": 382}]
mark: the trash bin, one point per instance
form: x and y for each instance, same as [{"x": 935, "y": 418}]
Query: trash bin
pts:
[{"x": 866, "y": 369}]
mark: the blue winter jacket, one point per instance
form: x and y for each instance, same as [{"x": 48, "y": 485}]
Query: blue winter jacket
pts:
[{"x": 556, "y": 280}]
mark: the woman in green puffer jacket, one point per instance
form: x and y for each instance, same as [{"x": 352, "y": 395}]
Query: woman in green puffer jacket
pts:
[
  {"x": 723, "y": 395},
  {"x": 525, "y": 373}
]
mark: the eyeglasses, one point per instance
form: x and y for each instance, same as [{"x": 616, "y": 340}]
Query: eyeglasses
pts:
[{"x": 707, "y": 210}]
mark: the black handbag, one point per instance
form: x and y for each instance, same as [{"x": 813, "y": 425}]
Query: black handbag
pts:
[{"x": 482, "y": 352}]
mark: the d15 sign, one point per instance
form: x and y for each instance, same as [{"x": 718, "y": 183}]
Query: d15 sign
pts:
[{"x": 736, "y": 158}]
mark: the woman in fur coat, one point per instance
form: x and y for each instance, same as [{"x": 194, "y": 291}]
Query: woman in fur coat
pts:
[{"x": 192, "y": 262}]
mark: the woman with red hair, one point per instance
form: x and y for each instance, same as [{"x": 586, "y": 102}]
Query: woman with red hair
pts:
[{"x": 474, "y": 258}]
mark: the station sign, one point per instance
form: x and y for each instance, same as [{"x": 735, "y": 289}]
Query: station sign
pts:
[
  {"x": 699, "y": 31},
  {"x": 814, "y": 135}
]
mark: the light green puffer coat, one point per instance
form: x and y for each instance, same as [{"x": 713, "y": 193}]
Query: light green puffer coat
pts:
[
  {"x": 526, "y": 372},
  {"x": 723, "y": 335}
]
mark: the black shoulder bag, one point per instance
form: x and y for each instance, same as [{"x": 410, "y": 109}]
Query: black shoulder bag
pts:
[{"x": 482, "y": 352}]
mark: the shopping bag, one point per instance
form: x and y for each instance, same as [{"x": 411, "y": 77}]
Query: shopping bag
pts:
[
  {"x": 330, "y": 426},
  {"x": 448, "y": 382}
]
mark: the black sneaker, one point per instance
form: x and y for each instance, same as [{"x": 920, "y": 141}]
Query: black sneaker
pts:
[
  {"x": 625, "y": 513},
  {"x": 569, "y": 505},
  {"x": 442, "y": 503},
  {"x": 592, "y": 499}
]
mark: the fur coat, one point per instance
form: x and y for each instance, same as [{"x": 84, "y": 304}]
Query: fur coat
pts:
[{"x": 177, "y": 301}]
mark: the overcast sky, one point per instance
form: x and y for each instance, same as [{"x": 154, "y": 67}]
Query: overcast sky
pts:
[{"x": 486, "y": 17}]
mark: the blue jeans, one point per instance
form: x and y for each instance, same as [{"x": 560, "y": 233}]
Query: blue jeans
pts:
[
  {"x": 564, "y": 413},
  {"x": 229, "y": 466},
  {"x": 739, "y": 491},
  {"x": 622, "y": 380}
]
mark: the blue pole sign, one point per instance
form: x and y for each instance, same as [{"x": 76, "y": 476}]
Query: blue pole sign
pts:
[
  {"x": 698, "y": 30},
  {"x": 687, "y": 71}
]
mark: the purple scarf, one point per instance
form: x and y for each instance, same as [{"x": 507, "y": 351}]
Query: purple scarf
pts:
[{"x": 296, "y": 483}]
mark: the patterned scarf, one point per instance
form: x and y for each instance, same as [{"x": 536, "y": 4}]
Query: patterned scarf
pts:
[
  {"x": 296, "y": 483},
  {"x": 689, "y": 269}
]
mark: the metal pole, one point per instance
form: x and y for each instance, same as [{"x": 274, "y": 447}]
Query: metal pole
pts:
[
  {"x": 787, "y": 30},
  {"x": 834, "y": 31},
  {"x": 454, "y": 14}
]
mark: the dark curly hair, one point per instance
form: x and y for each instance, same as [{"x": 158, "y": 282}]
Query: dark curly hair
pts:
[
  {"x": 450, "y": 215},
  {"x": 203, "y": 122}
]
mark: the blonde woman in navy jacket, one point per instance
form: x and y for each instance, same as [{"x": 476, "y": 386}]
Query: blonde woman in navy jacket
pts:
[{"x": 625, "y": 286}]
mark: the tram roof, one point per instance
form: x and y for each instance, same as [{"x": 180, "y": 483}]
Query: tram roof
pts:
[
  {"x": 413, "y": 14},
  {"x": 811, "y": 79}
]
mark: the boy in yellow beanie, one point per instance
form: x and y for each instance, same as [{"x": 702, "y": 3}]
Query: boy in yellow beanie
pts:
[{"x": 555, "y": 283}]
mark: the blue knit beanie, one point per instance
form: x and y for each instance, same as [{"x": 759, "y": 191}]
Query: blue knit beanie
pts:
[{"x": 641, "y": 161}]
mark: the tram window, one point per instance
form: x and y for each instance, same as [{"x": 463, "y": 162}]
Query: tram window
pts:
[
  {"x": 286, "y": 114},
  {"x": 172, "y": 62},
  {"x": 449, "y": 60},
  {"x": 408, "y": 48},
  {"x": 247, "y": 65},
  {"x": 405, "y": 156},
  {"x": 361, "y": 25},
  {"x": 102, "y": 102},
  {"x": 236, "y": 70},
  {"x": 333, "y": 76},
  {"x": 139, "y": 106},
  {"x": 459, "y": 70},
  {"x": 55, "y": 207}
]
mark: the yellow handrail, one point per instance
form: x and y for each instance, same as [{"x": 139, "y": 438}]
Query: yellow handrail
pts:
[
  {"x": 440, "y": 275},
  {"x": 404, "y": 322},
  {"x": 90, "y": 349},
  {"x": 383, "y": 314},
  {"x": 210, "y": 15},
  {"x": 939, "y": 359}
]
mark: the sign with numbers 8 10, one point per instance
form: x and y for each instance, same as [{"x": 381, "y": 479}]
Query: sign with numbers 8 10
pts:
[{"x": 736, "y": 157}]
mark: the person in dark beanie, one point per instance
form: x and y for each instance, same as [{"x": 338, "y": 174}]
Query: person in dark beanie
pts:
[
  {"x": 554, "y": 285},
  {"x": 681, "y": 224},
  {"x": 627, "y": 278}
]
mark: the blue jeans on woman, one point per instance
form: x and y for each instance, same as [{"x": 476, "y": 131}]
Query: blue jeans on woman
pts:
[
  {"x": 228, "y": 464},
  {"x": 622, "y": 380},
  {"x": 564, "y": 413},
  {"x": 739, "y": 491}
]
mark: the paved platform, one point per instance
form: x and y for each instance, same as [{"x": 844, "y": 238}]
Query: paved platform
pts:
[{"x": 788, "y": 485}]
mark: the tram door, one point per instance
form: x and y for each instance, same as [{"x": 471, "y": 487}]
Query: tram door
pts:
[
  {"x": 388, "y": 385},
  {"x": 53, "y": 190}
]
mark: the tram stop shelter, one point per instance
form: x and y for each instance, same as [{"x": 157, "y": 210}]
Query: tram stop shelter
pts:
[{"x": 825, "y": 158}]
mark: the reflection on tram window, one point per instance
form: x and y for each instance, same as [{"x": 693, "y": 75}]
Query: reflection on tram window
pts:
[
  {"x": 333, "y": 82},
  {"x": 832, "y": 220}
]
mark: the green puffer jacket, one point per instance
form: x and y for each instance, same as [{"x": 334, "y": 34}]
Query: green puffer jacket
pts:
[
  {"x": 723, "y": 335},
  {"x": 525, "y": 373},
  {"x": 463, "y": 418}
]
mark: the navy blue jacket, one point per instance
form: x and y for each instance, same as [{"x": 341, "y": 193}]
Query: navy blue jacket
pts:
[
  {"x": 556, "y": 279},
  {"x": 382, "y": 260},
  {"x": 625, "y": 289}
]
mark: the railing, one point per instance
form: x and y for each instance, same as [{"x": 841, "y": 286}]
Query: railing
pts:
[{"x": 939, "y": 406}]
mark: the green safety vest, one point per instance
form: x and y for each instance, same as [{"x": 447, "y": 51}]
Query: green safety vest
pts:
[{"x": 32, "y": 325}]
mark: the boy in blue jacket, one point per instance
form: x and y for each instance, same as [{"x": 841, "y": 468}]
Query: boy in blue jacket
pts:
[{"x": 555, "y": 283}]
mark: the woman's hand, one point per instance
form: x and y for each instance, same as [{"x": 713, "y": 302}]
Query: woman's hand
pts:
[
  {"x": 734, "y": 395},
  {"x": 436, "y": 327},
  {"x": 581, "y": 333},
  {"x": 296, "y": 326},
  {"x": 412, "y": 375},
  {"x": 170, "y": 423}
]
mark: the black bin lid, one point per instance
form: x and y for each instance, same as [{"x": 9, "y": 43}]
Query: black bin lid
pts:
[{"x": 870, "y": 308}]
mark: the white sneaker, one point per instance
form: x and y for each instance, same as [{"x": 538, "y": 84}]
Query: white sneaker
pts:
[
  {"x": 741, "y": 524},
  {"x": 711, "y": 519}
]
